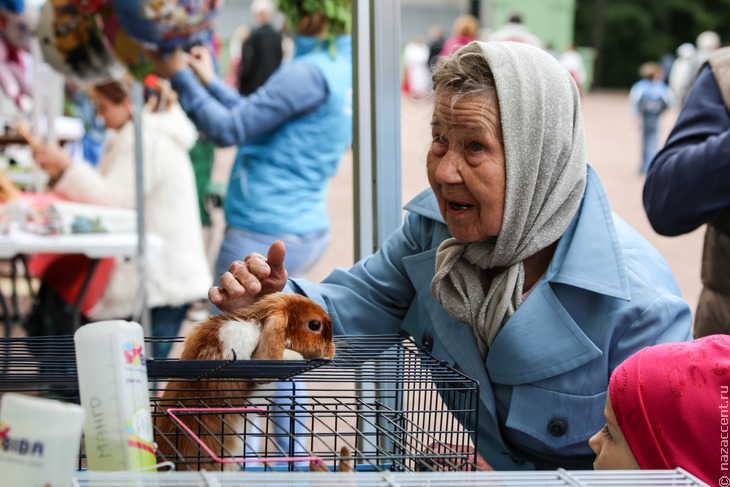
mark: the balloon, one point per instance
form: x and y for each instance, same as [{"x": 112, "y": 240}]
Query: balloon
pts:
[
  {"x": 19, "y": 22},
  {"x": 73, "y": 45},
  {"x": 17, "y": 30},
  {"x": 15, "y": 6},
  {"x": 91, "y": 6},
  {"x": 165, "y": 24},
  {"x": 127, "y": 51}
]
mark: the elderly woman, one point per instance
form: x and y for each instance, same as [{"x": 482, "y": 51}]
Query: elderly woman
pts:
[{"x": 512, "y": 267}]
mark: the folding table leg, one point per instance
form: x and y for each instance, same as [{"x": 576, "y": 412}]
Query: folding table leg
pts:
[
  {"x": 7, "y": 318},
  {"x": 82, "y": 292}
]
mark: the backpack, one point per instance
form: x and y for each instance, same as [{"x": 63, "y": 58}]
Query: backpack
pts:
[
  {"x": 651, "y": 102},
  {"x": 62, "y": 277},
  {"x": 51, "y": 315}
]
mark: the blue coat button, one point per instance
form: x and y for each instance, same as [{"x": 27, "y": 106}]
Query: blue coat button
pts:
[
  {"x": 557, "y": 427},
  {"x": 427, "y": 343}
]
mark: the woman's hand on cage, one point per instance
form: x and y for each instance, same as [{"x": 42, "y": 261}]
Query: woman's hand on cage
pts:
[{"x": 250, "y": 279}]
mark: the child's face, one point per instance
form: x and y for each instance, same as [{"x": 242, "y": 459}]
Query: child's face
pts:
[
  {"x": 609, "y": 444},
  {"x": 115, "y": 115}
]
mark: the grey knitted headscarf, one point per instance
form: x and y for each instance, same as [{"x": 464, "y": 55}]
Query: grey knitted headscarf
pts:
[{"x": 546, "y": 172}]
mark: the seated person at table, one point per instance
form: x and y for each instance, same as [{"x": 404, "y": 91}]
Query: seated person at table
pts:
[
  {"x": 665, "y": 405},
  {"x": 511, "y": 268},
  {"x": 178, "y": 275}
]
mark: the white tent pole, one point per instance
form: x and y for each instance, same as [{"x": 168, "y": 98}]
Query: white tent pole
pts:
[
  {"x": 54, "y": 108},
  {"x": 142, "y": 311},
  {"x": 39, "y": 103}
]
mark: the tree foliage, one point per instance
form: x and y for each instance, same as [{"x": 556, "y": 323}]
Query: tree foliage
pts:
[{"x": 636, "y": 31}]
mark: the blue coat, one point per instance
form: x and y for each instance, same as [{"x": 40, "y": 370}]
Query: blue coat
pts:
[{"x": 606, "y": 294}]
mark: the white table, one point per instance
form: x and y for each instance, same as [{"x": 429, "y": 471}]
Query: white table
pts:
[{"x": 94, "y": 245}]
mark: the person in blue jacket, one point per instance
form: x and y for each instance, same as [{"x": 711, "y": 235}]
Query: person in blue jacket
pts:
[
  {"x": 511, "y": 268},
  {"x": 292, "y": 133},
  {"x": 688, "y": 186},
  {"x": 650, "y": 97}
]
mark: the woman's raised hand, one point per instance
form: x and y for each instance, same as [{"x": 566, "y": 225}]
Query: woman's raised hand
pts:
[
  {"x": 168, "y": 63},
  {"x": 248, "y": 280},
  {"x": 201, "y": 62}
]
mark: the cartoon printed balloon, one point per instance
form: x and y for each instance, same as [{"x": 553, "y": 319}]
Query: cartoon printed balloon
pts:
[
  {"x": 73, "y": 45},
  {"x": 14, "y": 6},
  {"x": 19, "y": 20},
  {"x": 130, "y": 53},
  {"x": 165, "y": 24}
]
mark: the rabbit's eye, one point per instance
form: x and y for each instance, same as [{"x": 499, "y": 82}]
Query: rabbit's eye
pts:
[{"x": 315, "y": 325}]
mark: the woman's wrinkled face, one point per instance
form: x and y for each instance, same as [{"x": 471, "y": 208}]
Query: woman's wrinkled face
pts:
[
  {"x": 466, "y": 166},
  {"x": 609, "y": 445}
]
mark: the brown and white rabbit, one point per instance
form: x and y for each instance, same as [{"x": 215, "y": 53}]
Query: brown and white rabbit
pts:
[{"x": 279, "y": 326}]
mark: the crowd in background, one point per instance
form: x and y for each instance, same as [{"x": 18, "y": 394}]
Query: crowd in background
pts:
[{"x": 419, "y": 54}]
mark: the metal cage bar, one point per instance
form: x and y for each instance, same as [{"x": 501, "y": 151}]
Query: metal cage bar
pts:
[{"x": 559, "y": 478}]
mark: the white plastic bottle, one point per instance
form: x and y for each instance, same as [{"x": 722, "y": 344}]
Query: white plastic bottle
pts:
[
  {"x": 112, "y": 372},
  {"x": 39, "y": 441}
]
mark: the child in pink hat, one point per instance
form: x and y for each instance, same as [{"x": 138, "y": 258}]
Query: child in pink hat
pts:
[{"x": 668, "y": 406}]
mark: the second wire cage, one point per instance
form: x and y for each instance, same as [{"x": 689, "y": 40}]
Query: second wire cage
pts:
[{"x": 377, "y": 406}]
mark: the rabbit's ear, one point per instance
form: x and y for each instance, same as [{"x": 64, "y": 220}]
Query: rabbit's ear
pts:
[{"x": 273, "y": 335}]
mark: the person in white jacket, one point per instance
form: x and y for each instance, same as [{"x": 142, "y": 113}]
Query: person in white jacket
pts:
[
  {"x": 516, "y": 31},
  {"x": 178, "y": 275}
]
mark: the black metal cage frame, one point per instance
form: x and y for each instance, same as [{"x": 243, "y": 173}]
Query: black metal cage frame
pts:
[{"x": 381, "y": 398}]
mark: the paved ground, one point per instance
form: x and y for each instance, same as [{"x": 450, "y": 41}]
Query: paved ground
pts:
[{"x": 613, "y": 149}]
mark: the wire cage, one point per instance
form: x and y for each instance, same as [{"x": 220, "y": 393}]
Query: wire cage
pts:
[{"x": 377, "y": 406}]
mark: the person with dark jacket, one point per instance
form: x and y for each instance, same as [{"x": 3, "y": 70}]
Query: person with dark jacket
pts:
[
  {"x": 262, "y": 52},
  {"x": 436, "y": 41},
  {"x": 688, "y": 186}
]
